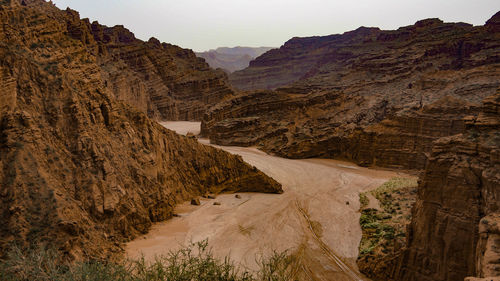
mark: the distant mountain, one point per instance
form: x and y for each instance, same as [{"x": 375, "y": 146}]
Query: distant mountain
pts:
[
  {"x": 422, "y": 97},
  {"x": 232, "y": 59}
]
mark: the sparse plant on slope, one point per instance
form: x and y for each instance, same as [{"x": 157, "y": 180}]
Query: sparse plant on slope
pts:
[{"x": 384, "y": 229}]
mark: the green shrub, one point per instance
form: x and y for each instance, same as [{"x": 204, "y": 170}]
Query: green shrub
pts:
[
  {"x": 278, "y": 267},
  {"x": 363, "y": 200},
  {"x": 195, "y": 262}
]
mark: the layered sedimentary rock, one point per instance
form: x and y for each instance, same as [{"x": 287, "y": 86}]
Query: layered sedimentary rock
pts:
[
  {"x": 79, "y": 169},
  {"x": 163, "y": 80},
  {"x": 371, "y": 96},
  {"x": 454, "y": 231},
  {"x": 232, "y": 59}
]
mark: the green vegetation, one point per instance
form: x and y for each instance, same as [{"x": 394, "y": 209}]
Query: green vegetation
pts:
[
  {"x": 363, "y": 200},
  {"x": 383, "y": 229},
  {"x": 189, "y": 264},
  {"x": 385, "y": 192},
  {"x": 379, "y": 232}
]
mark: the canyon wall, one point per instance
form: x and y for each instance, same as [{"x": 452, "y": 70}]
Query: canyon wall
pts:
[
  {"x": 80, "y": 170},
  {"x": 454, "y": 230},
  {"x": 163, "y": 80},
  {"x": 423, "y": 97},
  {"x": 378, "y": 98}
]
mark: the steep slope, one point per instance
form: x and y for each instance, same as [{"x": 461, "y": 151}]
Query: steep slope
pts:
[
  {"x": 232, "y": 59},
  {"x": 163, "y": 80},
  {"x": 78, "y": 169},
  {"x": 455, "y": 227},
  {"x": 371, "y": 96}
]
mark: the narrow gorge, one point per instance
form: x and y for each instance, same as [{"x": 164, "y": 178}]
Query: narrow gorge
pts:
[
  {"x": 80, "y": 169},
  {"x": 367, "y": 155}
]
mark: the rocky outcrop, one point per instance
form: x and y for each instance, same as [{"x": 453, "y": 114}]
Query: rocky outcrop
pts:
[
  {"x": 166, "y": 81},
  {"x": 368, "y": 55},
  {"x": 163, "y": 80},
  {"x": 370, "y": 96},
  {"x": 454, "y": 231},
  {"x": 232, "y": 59},
  {"x": 79, "y": 169}
]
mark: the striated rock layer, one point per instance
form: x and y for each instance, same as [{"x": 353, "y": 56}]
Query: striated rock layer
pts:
[
  {"x": 370, "y": 96},
  {"x": 163, "y": 80},
  {"x": 79, "y": 169},
  {"x": 455, "y": 226}
]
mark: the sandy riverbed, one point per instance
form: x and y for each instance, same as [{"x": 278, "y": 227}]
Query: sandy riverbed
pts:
[{"x": 317, "y": 215}]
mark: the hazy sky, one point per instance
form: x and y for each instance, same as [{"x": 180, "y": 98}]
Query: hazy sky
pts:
[{"x": 205, "y": 24}]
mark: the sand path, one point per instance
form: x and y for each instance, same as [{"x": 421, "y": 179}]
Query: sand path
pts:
[{"x": 316, "y": 217}]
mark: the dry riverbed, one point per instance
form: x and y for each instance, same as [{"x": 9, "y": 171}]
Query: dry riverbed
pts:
[{"x": 316, "y": 217}]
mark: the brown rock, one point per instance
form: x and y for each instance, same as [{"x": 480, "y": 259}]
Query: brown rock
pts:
[
  {"x": 378, "y": 98},
  {"x": 454, "y": 231},
  {"x": 195, "y": 201},
  {"x": 74, "y": 160},
  {"x": 160, "y": 79},
  {"x": 237, "y": 196}
]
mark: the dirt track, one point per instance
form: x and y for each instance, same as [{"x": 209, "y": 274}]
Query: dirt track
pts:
[{"x": 316, "y": 217}]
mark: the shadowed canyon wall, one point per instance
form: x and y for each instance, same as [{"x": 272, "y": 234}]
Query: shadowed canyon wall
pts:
[
  {"x": 370, "y": 96},
  {"x": 422, "y": 97},
  {"x": 454, "y": 231},
  {"x": 80, "y": 169}
]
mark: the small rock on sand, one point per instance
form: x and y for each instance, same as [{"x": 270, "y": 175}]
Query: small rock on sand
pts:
[{"x": 195, "y": 201}]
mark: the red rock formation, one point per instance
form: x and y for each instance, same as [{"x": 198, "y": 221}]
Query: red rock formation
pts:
[
  {"x": 79, "y": 169},
  {"x": 374, "y": 97},
  {"x": 454, "y": 231}
]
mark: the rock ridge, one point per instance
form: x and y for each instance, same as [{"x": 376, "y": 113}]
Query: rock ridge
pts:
[
  {"x": 81, "y": 169},
  {"x": 375, "y": 97}
]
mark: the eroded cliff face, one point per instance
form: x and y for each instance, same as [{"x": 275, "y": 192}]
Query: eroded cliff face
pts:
[
  {"x": 167, "y": 82},
  {"x": 454, "y": 231},
  {"x": 370, "y": 96},
  {"x": 163, "y": 80},
  {"x": 80, "y": 169}
]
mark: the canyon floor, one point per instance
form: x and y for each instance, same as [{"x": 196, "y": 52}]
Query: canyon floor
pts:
[{"x": 316, "y": 218}]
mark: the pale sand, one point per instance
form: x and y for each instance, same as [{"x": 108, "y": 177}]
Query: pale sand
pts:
[
  {"x": 182, "y": 127},
  {"x": 311, "y": 215}
]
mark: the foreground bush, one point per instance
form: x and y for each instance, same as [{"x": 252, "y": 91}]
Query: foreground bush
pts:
[{"x": 189, "y": 264}]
